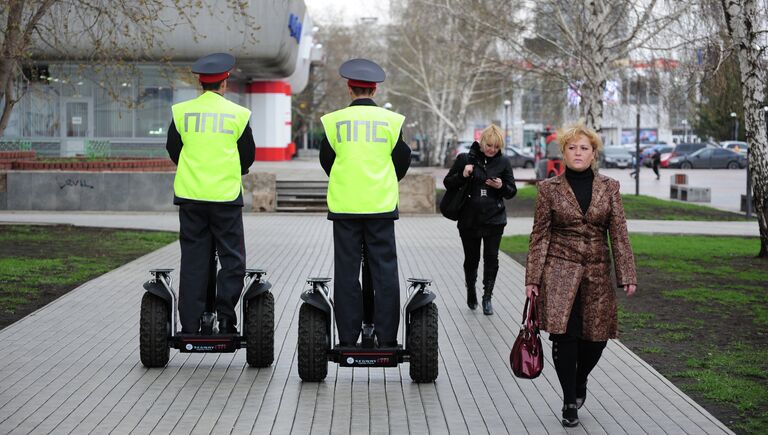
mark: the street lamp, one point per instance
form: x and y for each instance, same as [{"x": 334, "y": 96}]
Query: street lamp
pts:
[
  {"x": 388, "y": 106},
  {"x": 507, "y": 103},
  {"x": 735, "y": 125},
  {"x": 685, "y": 129}
]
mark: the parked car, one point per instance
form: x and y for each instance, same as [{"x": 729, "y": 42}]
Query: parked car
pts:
[
  {"x": 519, "y": 158},
  {"x": 616, "y": 157},
  {"x": 458, "y": 148},
  {"x": 735, "y": 145},
  {"x": 709, "y": 158}
]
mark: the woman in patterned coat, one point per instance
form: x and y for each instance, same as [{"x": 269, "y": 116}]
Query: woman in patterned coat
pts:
[{"x": 577, "y": 213}]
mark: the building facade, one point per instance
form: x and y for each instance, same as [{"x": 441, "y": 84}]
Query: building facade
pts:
[{"x": 70, "y": 104}]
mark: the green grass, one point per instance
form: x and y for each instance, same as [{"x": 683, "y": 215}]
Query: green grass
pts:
[
  {"x": 648, "y": 207},
  {"x": 632, "y": 320},
  {"x": 737, "y": 376},
  {"x": 52, "y": 258},
  {"x": 652, "y": 350},
  {"x": 526, "y": 192}
]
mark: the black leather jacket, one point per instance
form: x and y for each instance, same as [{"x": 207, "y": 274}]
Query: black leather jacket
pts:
[{"x": 485, "y": 206}]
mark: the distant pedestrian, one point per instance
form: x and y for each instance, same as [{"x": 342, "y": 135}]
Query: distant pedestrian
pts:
[
  {"x": 569, "y": 263},
  {"x": 656, "y": 161},
  {"x": 484, "y": 215}
]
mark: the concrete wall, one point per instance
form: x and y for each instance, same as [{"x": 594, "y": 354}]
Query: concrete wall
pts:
[
  {"x": 153, "y": 191},
  {"x": 417, "y": 194}
]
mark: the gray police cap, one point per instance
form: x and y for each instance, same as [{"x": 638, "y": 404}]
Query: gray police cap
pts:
[
  {"x": 216, "y": 63},
  {"x": 363, "y": 70}
]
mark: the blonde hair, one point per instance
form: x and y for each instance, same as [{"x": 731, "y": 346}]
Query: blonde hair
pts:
[
  {"x": 492, "y": 135},
  {"x": 568, "y": 133}
]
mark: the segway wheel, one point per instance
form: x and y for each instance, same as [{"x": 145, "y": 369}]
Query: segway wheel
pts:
[
  {"x": 314, "y": 343},
  {"x": 154, "y": 331},
  {"x": 422, "y": 344},
  {"x": 260, "y": 330}
]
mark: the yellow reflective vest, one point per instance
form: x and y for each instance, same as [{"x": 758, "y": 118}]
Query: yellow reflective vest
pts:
[
  {"x": 363, "y": 178},
  {"x": 209, "y": 164}
]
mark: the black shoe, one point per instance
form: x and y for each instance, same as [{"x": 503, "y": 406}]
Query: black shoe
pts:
[
  {"x": 471, "y": 298},
  {"x": 570, "y": 415},
  {"x": 388, "y": 344},
  {"x": 581, "y": 395},
  {"x": 487, "y": 306},
  {"x": 346, "y": 344},
  {"x": 226, "y": 326}
]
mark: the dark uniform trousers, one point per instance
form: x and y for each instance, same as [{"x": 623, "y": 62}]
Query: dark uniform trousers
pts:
[
  {"x": 203, "y": 227},
  {"x": 379, "y": 237}
]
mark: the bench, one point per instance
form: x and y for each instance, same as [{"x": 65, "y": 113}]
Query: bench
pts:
[{"x": 680, "y": 190}]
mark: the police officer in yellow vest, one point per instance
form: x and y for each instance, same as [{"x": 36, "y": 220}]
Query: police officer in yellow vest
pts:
[
  {"x": 364, "y": 156},
  {"x": 211, "y": 142}
]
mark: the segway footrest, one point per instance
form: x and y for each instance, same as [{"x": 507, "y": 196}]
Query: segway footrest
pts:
[
  {"x": 359, "y": 357},
  {"x": 218, "y": 343}
]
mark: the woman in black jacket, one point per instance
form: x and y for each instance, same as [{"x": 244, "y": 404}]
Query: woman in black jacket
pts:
[{"x": 484, "y": 215}]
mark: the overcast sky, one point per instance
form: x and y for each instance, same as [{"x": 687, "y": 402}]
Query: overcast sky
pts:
[{"x": 347, "y": 11}]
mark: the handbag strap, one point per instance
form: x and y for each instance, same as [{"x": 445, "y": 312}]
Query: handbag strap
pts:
[
  {"x": 533, "y": 315},
  {"x": 525, "y": 311}
]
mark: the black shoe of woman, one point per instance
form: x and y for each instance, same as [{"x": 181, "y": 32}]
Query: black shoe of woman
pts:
[
  {"x": 487, "y": 306},
  {"x": 581, "y": 395},
  {"x": 471, "y": 298},
  {"x": 570, "y": 415}
]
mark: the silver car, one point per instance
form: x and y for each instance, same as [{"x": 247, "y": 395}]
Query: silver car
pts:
[
  {"x": 710, "y": 158},
  {"x": 616, "y": 157}
]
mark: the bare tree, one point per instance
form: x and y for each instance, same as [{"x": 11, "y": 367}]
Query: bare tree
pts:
[
  {"x": 94, "y": 32},
  {"x": 746, "y": 22},
  {"x": 443, "y": 64},
  {"x": 583, "y": 43}
]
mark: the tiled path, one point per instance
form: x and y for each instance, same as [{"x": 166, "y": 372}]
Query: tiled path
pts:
[{"x": 73, "y": 366}]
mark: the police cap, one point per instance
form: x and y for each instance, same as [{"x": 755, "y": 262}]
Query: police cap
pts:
[
  {"x": 362, "y": 73},
  {"x": 214, "y": 67}
]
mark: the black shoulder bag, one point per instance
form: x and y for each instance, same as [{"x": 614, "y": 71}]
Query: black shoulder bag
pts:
[{"x": 453, "y": 201}]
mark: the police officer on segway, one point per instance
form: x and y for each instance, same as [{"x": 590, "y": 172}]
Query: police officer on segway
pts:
[
  {"x": 364, "y": 156},
  {"x": 210, "y": 141}
]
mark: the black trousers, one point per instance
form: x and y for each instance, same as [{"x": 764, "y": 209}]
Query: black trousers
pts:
[
  {"x": 202, "y": 228},
  {"x": 573, "y": 357},
  {"x": 470, "y": 241},
  {"x": 379, "y": 237},
  {"x": 656, "y": 168}
]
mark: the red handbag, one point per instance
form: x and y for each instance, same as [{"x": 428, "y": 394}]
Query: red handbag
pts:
[{"x": 527, "y": 358}]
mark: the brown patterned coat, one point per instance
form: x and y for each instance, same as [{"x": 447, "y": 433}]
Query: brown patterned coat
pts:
[{"x": 569, "y": 249}]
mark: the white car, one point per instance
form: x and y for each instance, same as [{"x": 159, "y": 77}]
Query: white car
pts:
[{"x": 735, "y": 145}]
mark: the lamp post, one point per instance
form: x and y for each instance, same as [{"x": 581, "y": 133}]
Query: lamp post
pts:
[
  {"x": 735, "y": 125},
  {"x": 685, "y": 129},
  {"x": 507, "y": 103},
  {"x": 388, "y": 106}
]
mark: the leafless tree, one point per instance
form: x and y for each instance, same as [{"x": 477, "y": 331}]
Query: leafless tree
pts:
[
  {"x": 747, "y": 24},
  {"x": 583, "y": 43},
  {"x": 443, "y": 65}
]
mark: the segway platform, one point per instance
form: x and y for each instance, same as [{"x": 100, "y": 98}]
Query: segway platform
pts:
[
  {"x": 220, "y": 343},
  {"x": 317, "y": 343},
  {"x": 158, "y": 325}
]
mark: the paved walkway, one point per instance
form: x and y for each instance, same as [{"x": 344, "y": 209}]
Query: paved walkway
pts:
[{"x": 73, "y": 366}]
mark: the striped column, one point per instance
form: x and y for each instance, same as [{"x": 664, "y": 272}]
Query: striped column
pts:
[{"x": 271, "y": 120}]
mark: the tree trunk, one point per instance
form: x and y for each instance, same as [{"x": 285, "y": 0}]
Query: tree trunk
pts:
[
  {"x": 742, "y": 21},
  {"x": 592, "y": 104},
  {"x": 9, "y": 57}
]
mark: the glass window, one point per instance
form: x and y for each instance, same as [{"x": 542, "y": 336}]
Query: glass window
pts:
[
  {"x": 40, "y": 111},
  {"x": 153, "y": 105},
  {"x": 112, "y": 112}
]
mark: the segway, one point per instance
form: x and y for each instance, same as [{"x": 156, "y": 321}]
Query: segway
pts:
[
  {"x": 317, "y": 343},
  {"x": 158, "y": 331}
]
